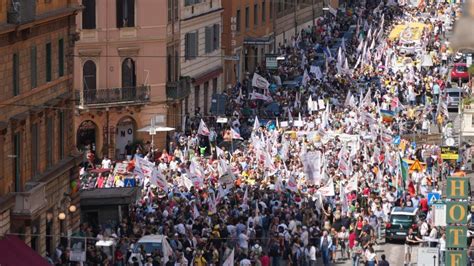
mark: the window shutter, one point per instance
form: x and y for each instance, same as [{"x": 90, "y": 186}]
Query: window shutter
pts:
[
  {"x": 33, "y": 75},
  {"x": 186, "y": 46},
  {"x": 196, "y": 44},
  {"x": 208, "y": 40},
  {"x": 217, "y": 35}
]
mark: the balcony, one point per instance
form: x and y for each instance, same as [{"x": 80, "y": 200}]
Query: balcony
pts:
[
  {"x": 179, "y": 90},
  {"x": 30, "y": 201},
  {"x": 114, "y": 96}
]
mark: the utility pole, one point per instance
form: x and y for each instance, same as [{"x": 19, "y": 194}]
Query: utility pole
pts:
[{"x": 312, "y": 9}]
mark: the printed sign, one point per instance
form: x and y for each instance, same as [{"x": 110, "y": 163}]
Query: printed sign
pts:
[
  {"x": 457, "y": 188},
  {"x": 456, "y": 258},
  {"x": 456, "y": 212},
  {"x": 439, "y": 214},
  {"x": 456, "y": 236},
  {"x": 433, "y": 197},
  {"x": 449, "y": 153}
]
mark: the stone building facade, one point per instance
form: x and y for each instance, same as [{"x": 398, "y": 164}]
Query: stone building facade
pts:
[
  {"x": 38, "y": 162},
  {"x": 121, "y": 72}
]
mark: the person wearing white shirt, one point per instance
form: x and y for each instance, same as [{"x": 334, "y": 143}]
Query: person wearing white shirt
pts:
[
  {"x": 106, "y": 163},
  {"x": 312, "y": 256}
]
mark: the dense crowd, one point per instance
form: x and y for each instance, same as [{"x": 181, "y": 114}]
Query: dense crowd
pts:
[{"x": 317, "y": 176}]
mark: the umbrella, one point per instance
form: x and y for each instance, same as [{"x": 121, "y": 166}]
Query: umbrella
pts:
[{"x": 156, "y": 129}]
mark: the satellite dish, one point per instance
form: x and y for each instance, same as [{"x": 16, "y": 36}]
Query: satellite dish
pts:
[{"x": 450, "y": 142}]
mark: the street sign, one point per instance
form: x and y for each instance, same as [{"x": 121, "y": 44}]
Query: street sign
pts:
[
  {"x": 449, "y": 153},
  {"x": 231, "y": 58},
  {"x": 271, "y": 61},
  {"x": 457, "y": 187},
  {"x": 439, "y": 214},
  {"x": 432, "y": 197},
  {"x": 427, "y": 257},
  {"x": 450, "y": 142},
  {"x": 456, "y": 257},
  {"x": 416, "y": 166},
  {"x": 456, "y": 212},
  {"x": 456, "y": 236}
]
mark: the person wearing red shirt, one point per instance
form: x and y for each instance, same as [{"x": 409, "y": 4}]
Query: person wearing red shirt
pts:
[
  {"x": 264, "y": 259},
  {"x": 424, "y": 204},
  {"x": 352, "y": 238}
]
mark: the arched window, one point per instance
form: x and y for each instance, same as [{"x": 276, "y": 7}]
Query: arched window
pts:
[
  {"x": 89, "y": 78},
  {"x": 128, "y": 73}
]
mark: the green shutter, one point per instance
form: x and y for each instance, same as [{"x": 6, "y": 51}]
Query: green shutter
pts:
[
  {"x": 48, "y": 63},
  {"x": 61, "y": 57},
  {"x": 33, "y": 76},
  {"x": 16, "y": 74}
]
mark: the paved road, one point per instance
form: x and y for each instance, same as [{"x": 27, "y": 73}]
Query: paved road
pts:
[{"x": 394, "y": 253}]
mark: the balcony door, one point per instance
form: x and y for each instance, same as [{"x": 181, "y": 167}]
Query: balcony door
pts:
[
  {"x": 89, "y": 76},
  {"x": 129, "y": 79}
]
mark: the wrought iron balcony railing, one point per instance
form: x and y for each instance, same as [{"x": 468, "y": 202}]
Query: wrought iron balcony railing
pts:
[{"x": 114, "y": 96}]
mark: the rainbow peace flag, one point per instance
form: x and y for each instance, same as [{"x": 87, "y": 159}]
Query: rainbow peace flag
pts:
[{"x": 387, "y": 115}]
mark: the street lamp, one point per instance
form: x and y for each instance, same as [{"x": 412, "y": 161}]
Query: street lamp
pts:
[{"x": 62, "y": 216}]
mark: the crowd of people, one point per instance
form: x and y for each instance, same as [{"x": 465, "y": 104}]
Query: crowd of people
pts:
[{"x": 314, "y": 181}]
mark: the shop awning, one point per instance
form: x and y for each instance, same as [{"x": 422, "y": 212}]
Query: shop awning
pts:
[
  {"x": 258, "y": 40},
  {"x": 21, "y": 253}
]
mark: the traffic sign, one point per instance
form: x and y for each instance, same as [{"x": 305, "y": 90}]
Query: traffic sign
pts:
[
  {"x": 416, "y": 166},
  {"x": 432, "y": 197}
]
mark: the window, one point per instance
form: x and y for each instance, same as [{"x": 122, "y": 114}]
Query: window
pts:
[
  {"x": 35, "y": 149},
  {"x": 16, "y": 74},
  {"x": 206, "y": 97},
  {"x": 62, "y": 132},
  {"x": 129, "y": 79},
  {"x": 271, "y": 9},
  {"x": 88, "y": 14},
  {"x": 89, "y": 80},
  {"x": 176, "y": 5},
  {"x": 208, "y": 38},
  {"x": 196, "y": 97},
  {"x": 48, "y": 63},
  {"x": 255, "y": 14},
  {"x": 191, "y": 45},
  {"x": 214, "y": 86},
  {"x": 33, "y": 68},
  {"x": 264, "y": 7},
  {"x": 61, "y": 57},
  {"x": 49, "y": 141},
  {"x": 125, "y": 13},
  {"x": 247, "y": 17},
  {"x": 17, "y": 160},
  {"x": 216, "y": 36},
  {"x": 212, "y": 38},
  {"x": 237, "y": 18}
]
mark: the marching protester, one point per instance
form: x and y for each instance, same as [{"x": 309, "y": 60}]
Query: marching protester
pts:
[{"x": 302, "y": 174}]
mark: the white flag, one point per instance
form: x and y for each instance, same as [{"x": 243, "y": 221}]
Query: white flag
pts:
[
  {"x": 230, "y": 260},
  {"x": 158, "y": 179},
  {"x": 328, "y": 189},
  {"x": 235, "y": 134},
  {"x": 260, "y": 82},
  {"x": 203, "y": 130},
  {"x": 167, "y": 250},
  {"x": 219, "y": 152},
  {"x": 196, "y": 213},
  {"x": 256, "y": 124}
]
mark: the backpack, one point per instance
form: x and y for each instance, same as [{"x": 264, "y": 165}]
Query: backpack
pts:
[{"x": 274, "y": 250}]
